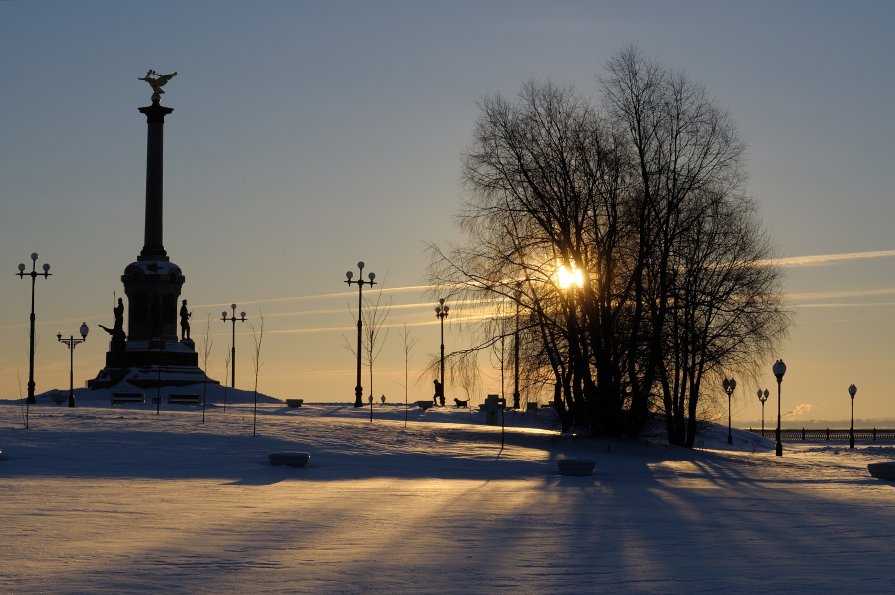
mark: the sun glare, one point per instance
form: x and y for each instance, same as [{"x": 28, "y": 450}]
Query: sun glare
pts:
[{"x": 569, "y": 276}]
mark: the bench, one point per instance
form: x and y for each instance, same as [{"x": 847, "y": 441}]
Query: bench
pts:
[
  {"x": 577, "y": 467},
  {"x": 123, "y": 398},
  {"x": 184, "y": 400},
  {"x": 885, "y": 470},
  {"x": 291, "y": 458}
]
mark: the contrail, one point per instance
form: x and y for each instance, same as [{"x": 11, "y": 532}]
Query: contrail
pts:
[
  {"x": 834, "y": 295},
  {"x": 319, "y": 296},
  {"x": 824, "y": 259}
]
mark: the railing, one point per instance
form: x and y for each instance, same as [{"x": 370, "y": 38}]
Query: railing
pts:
[{"x": 827, "y": 435}]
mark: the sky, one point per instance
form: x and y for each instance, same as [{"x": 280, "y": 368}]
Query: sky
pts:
[{"x": 308, "y": 136}]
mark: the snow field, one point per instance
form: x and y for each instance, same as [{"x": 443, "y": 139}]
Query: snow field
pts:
[{"x": 121, "y": 500}]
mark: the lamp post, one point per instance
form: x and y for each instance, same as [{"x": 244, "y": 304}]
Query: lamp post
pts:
[
  {"x": 779, "y": 370},
  {"x": 729, "y": 385},
  {"x": 34, "y": 275},
  {"x": 762, "y": 396},
  {"x": 158, "y": 376},
  {"x": 232, "y": 319},
  {"x": 516, "y": 354},
  {"x": 441, "y": 312},
  {"x": 851, "y": 431},
  {"x": 72, "y": 342},
  {"x": 358, "y": 389}
]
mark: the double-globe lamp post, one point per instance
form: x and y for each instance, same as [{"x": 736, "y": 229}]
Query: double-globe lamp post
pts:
[
  {"x": 729, "y": 385},
  {"x": 72, "y": 342},
  {"x": 762, "y": 396},
  {"x": 34, "y": 275},
  {"x": 441, "y": 312},
  {"x": 779, "y": 370},
  {"x": 851, "y": 431},
  {"x": 358, "y": 389},
  {"x": 233, "y": 319}
]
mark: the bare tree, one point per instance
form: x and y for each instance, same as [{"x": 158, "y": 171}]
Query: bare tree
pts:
[
  {"x": 407, "y": 343},
  {"x": 701, "y": 300},
  {"x": 257, "y": 337},
  {"x": 726, "y": 310},
  {"x": 375, "y": 313},
  {"x": 227, "y": 363},
  {"x": 207, "y": 344},
  {"x": 642, "y": 195}
]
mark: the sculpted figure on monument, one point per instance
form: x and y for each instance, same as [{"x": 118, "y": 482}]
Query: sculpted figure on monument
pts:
[
  {"x": 184, "y": 321},
  {"x": 157, "y": 81},
  {"x": 118, "y": 336},
  {"x": 119, "y": 315}
]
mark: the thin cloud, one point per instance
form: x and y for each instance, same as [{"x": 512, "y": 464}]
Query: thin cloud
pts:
[
  {"x": 841, "y": 305},
  {"x": 840, "y": 294},
  {"x": 825, "y": 259}
]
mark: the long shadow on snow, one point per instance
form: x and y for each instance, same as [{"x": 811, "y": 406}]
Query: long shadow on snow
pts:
[{"x": 240, "y": 459}]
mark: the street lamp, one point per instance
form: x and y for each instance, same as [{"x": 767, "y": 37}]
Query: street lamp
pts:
[
  {"x": 158, "y": 376},
  {"x": 72, "y": 343},
  {"x": 34, "y": 275},
  {"x": 232, "y": 319},
  {"x": 358, "y": 389},
  {"x": 516, "y": 353},
  {"x": 441, "y": 312},
  {"x": 729, "y": 385},
  {"x": 851, "y": 432},
  {"x": 762, "y": 396},
  {"x": 779, "y": 371}
]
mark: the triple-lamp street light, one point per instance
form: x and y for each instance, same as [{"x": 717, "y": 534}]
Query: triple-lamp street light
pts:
[
  {"x": 762, "y": 396},
  {"x": 729, "y": 385},
  {"x": 72, "y": 342},
  {"x": 441, "y": 312},
  {"x": 779, "y": 370},
  {"x": 851, "y": 432},
  {"x": 232, "y": 319},
  {"x": 358, "y": 389},
  {"x": 34, "y": 275}
]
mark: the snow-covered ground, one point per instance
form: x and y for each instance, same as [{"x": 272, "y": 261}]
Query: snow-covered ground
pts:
[{"x": 119, "y": 499}]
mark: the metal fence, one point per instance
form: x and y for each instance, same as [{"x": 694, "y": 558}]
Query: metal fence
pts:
[{"x": 828, "y": 435}]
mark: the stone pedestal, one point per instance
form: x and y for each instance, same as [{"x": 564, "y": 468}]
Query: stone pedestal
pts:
[
  {"x": 148, "y": 363},
  {"x": 152, "y": 288}
]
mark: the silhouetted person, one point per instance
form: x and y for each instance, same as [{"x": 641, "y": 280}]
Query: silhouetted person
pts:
[
  {"x": 184, "y": 321},
  {"x": 439, "y": 393}
]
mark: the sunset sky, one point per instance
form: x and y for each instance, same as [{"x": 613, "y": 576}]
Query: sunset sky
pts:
[{"x": 307, "y": 136}]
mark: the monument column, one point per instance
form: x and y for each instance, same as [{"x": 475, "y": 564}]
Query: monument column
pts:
[{"x": 153, "y": 246}]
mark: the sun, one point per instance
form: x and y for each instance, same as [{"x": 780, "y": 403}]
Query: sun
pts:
[{"x": 568, "y": 276}]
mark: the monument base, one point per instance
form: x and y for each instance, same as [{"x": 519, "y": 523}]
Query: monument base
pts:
[{"x": 152, "y": 363}]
